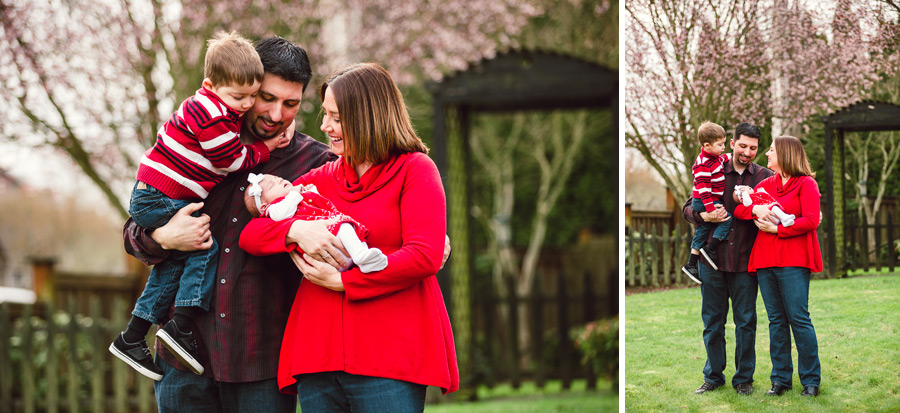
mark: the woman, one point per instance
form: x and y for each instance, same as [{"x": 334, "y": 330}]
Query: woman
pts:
[
  {"x": 783, "y": 259},
  {"x": 368, "y": 342}
]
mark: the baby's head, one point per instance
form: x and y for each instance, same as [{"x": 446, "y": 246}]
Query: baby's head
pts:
[
  {"x": 232, "y": 70},
  {"x": 264, "y": 189},
  {"x": 712, "y": 138}
]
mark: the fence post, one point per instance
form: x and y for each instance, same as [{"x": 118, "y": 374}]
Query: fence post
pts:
[
  {"x": 52, "y": 373},
  {"x": 514, "y": 355},
  {"x": 642, "y": 255},
  {"x": 119, "y": 379},
  {"x": 565, "y": 344},
  {"x": 490, "y": 304},
  {"x": 98, "y": 354},
  {"x": 28, "y": 390},
  {"x": 589, "y": 315},
  {"x": 890, "y": 236},
  {"x": 6, "y": 368},
  {"x": 537, "y": 328},
  {"x": 877, "y": 229},
  {"x": 629, "y": 252},
  {"x": 74, "y": 363},
  {"x": 668, "y": 275}
]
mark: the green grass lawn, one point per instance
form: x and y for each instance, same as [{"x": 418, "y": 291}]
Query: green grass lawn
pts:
[
  {"x": 857, "y": 323},
  {"x": 528, "y": 398}
]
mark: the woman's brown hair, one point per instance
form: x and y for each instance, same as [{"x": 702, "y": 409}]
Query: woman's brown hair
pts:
[
  {"x": 374, "y": 118},
  {"x": 791, "y": 157}
]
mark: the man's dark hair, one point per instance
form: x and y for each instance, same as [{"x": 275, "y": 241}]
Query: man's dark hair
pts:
[
  {"x": 747, "y": 129},
  {"x": 284, "y": 59}
]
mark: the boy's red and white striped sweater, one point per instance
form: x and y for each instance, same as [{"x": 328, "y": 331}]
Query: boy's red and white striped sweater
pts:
[
  {"x": 709, "y": 178},
  {"x": 197, "y": 147}
]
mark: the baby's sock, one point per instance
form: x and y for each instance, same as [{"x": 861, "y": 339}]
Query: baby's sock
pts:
[{"x": 368, "y": 259}]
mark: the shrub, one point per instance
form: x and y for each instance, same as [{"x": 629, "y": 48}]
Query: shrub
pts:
[{"x": 598, "y": 342}]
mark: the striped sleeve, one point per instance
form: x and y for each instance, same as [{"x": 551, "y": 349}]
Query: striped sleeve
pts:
[{"x": 218, "y": 135}]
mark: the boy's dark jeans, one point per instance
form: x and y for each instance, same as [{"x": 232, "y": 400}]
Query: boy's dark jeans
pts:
[
  {"x": 185, "y": 277},
  {"x": 701, "y": 234}
]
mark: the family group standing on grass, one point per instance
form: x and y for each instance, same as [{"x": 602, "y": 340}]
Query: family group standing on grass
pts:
[
  {"x": 755, "y": 231},
  {"x": 311, "y": 270}
]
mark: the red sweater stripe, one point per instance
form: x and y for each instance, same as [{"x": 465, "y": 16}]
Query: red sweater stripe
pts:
[
  {"x": 197, "y": 147},
  {"x": 709, "y": 178}
]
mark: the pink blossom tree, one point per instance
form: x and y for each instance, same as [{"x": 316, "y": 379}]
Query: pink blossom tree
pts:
[
  {"x": 94, "y": 79},
  {"x": 772, "y": 64}
]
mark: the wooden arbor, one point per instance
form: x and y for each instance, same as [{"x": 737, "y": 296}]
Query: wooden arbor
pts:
[
  {"x": 509, "y": 82},
  {"x": 858, "y": 117}
]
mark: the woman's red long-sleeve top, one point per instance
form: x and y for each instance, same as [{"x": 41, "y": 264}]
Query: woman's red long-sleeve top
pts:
[
  {"x": 391, "y": 323},
  {"x": 796, "y": 245}
]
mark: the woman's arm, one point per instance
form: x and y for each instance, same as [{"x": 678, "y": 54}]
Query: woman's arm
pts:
[
  {"x": 810, "y": 209},
  {"x": 423, "y": 228}
]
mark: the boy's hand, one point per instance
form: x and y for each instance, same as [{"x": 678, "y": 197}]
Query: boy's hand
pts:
[{"x": 282, "y": 139}]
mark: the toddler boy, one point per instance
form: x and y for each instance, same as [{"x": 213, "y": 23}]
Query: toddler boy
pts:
[
  {"x": 709, "y": 186},
  {"x": 195, "y": 149}
]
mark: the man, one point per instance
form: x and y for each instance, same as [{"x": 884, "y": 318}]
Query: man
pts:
[
  {"x": 731, "y": 281},
  {"x": 241, "y": 334}
]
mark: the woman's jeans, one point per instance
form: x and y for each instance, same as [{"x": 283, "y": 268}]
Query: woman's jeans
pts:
[
  {"x": 338, "y": 391},
  {"x": 785, "y": 292}
]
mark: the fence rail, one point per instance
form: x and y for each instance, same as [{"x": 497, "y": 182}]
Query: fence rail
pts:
[
  {"x": 528, "y": 337},
  {"x": 57, "y": 361},
  {"x": 654, "y": 258},
  {"x": 874, "y": 246}
]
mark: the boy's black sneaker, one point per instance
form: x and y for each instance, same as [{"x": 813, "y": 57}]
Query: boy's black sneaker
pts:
[
  {"x": 185, "y": 346},
  {"x": 710, "y": 256},
  {"x": 136, "y": 355},
  {"x": 692, "y": 272}
]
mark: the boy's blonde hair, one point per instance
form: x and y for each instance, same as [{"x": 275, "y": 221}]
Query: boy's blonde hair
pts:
[
  {"x": 232, "y": 60},
  {"x": 709, "y": 133}
]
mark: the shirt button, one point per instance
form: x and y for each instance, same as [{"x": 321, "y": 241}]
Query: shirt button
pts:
[
  {"x": 242, "y": 188},
  {"x": 222, "y": 315},
  {"x": 233, "y": 219},
  {"x": 227, "y": 250},
  {"x": 223, "y": 281}
]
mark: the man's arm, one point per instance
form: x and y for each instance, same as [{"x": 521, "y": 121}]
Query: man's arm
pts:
[
  {"x": 698, "y": 218},
  {"x": 183, "y": 232}
]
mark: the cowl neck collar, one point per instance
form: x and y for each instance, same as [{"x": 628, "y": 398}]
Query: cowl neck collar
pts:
[
  {"x": 783, "y": 188},
  {"x": 351, "y": 187}
]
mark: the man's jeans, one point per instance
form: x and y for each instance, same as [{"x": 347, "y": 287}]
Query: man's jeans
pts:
[
  {"x": 785, "y": 292},
  {"x": 701, "y": 232},
  {"x": 716, "y": 290},
  {"x": 338, "y": 391},
  {"x": 185, "y": 277},
  {"x": 183, "y": 391}
]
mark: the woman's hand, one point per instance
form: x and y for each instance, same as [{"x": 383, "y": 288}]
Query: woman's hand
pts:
[
  {"x": 314, "y": 238},
  {"x": 317, "y": 272},
  {"x": 762, "y": 213},
  {"x": 765, "y": 225}
]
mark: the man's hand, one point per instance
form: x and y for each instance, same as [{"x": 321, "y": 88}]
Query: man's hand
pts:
[
  {"x": 446, "y": 251},
  {"x": 184, "y": 232},
  {"x": 317, "y": 242},
  {"x": 719, "y": 215}
]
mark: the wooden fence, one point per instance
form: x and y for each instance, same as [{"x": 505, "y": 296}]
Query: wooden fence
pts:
[
  {"x": 58, "y": 361},
  {"x": 654, "y": 258},
  {"x": 518, "y": 338},
  {"x": 872, "y": 246}
]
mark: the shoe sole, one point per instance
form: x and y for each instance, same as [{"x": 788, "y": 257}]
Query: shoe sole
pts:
[
  {"x": 708, "y": 260},
  {"x": 137, "y": 367},
  {"x": 183, "y": 356},
  {"x": 688, "y": 273}
]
